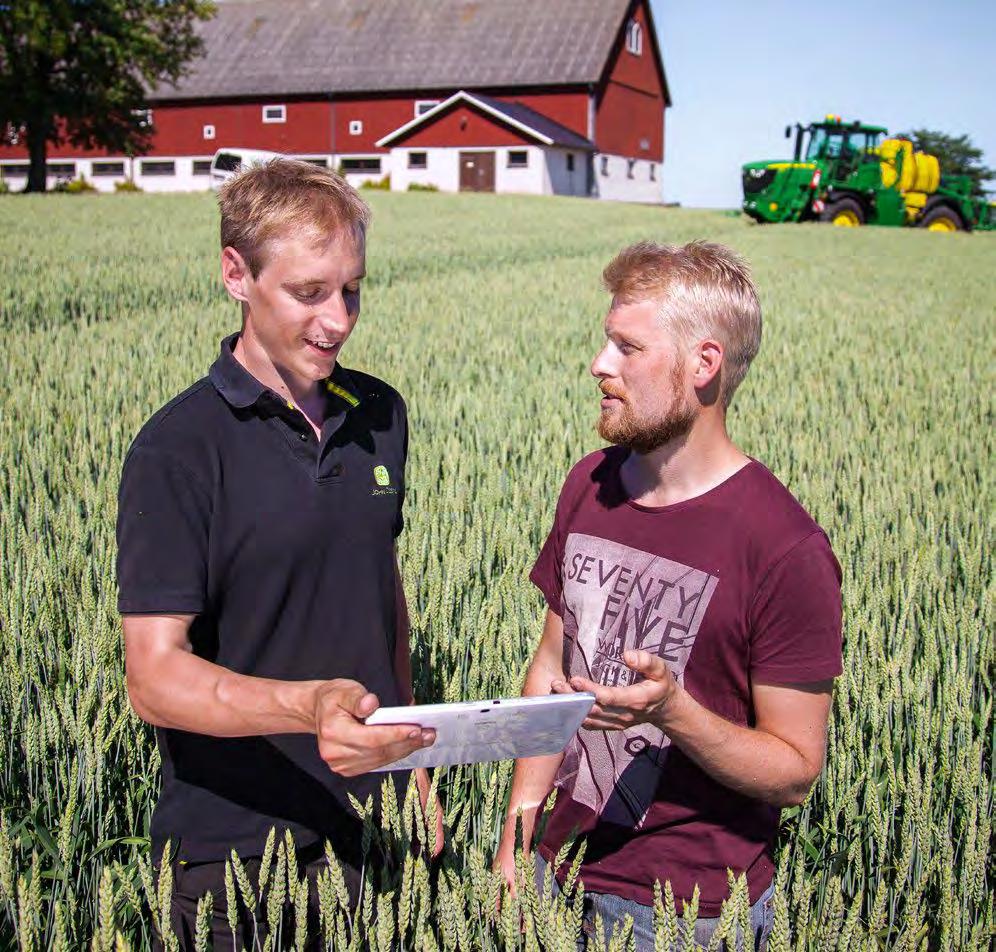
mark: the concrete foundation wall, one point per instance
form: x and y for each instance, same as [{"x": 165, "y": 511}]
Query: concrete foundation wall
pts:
[{"x": 617, "y": 178}]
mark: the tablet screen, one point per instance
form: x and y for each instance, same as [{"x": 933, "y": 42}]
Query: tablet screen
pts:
[{"x": 471, "y": 732}]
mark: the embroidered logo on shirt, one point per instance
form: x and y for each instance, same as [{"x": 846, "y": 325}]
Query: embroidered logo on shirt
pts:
[{"x": 382, "y": 476}]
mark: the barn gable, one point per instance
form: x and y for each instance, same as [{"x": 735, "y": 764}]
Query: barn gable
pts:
[{"x": 467, "y": 119}]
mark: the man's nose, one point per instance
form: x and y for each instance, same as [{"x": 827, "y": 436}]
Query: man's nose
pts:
[
  {"x": 600, "y": 364},
  {"x": 335, "y": 314}
]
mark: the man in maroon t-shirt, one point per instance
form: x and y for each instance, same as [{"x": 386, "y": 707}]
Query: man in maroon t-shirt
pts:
[{"x": 695, "y": 597}]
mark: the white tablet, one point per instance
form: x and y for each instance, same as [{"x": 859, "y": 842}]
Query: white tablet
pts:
[{"x": 471, "y": 732}]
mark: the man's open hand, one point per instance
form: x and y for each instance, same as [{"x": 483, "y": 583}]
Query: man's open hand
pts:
[
  {"x": 617, "y": 708},
  {"x": 349, "y": 746}
]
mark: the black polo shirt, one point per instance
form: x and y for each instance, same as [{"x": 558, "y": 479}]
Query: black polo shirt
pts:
[{"x": 282, "y": 545}]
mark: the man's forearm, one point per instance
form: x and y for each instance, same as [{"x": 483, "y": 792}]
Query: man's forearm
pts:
[
  {"x": 533, "y": 778},
  {"x": 748, "y": 760},
  {"x": 191, "y": 694}
]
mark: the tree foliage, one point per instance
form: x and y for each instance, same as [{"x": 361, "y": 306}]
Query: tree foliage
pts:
[
  {"x": 78, "y": 71},
  {"x": 957, "y": 156}
]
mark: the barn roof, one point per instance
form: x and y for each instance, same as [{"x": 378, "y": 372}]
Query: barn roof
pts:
[
  {"x": 515, "y": 114},
  {"x": 297, "y": 47}
]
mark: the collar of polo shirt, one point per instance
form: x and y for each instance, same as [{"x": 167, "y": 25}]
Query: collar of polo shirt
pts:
[{"x": 241, "y": 389}]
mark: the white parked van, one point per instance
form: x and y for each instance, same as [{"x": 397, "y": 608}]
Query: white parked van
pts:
[{"x": 227, "y": 162}]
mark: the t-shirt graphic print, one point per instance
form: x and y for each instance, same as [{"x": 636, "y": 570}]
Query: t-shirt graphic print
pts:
[{"x": 617, "y": 598}]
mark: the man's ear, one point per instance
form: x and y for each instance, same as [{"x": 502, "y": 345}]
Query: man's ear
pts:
[
  {"x": 708, "y": 359},
  {"x": 236, "y": 274}
]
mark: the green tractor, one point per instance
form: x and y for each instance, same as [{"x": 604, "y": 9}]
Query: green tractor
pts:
[{"x": 851, "y": 174}]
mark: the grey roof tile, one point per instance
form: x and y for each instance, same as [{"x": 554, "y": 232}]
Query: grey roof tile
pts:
[{"x": 298, "y": 47}]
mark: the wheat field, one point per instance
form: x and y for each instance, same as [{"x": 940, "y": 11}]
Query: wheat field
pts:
[{"x": 871, "y": 399}]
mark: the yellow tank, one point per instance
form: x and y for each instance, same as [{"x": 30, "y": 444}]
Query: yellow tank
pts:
[
  {"x": 898, "y": 166},
  {"x": 928, "y": 173},
  {"x": 907, "y": 170}
]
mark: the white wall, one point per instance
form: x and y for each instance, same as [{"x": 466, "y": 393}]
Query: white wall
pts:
[
  {"x": 443, "y": 170},
  {"x": 617, "y": 185},
  {"x": 560, "y": 181},
  {"x": 183, "y": 180},
  {"x": 532, "y": 180}
]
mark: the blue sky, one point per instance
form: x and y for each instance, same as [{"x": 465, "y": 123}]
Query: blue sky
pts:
[{"x": 739, "y": 71}]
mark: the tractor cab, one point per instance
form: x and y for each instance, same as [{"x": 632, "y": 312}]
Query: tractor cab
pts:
[{"x": 830, "y": 143}]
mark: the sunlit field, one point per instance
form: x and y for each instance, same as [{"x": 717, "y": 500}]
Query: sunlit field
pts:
[{"x": 871, "y": 399}]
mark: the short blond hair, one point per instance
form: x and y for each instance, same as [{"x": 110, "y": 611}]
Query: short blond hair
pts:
[
  {"x": 703, "y": 289},
  {"x": 287, "y": 196}
]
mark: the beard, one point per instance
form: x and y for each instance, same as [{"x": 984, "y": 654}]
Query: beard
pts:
[{"x": 643, "y": 434}]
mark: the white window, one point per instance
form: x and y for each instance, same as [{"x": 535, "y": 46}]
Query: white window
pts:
[
  {"x": 106, "y": 168},
  {"x": 209, "y": 132},
  {"x": 144, "y": 117},
  {"x": 356, "y": 127},
  {"x": 518, "y": 159},
  {"x": 359, "y": 165},
  {"x": 422, "y": 106},
  {"x": 274, "y": 114},
  {"x": 634, "y": 38},
  {"x": 158, "y": 168},
  {"x": 418, "y": 160}
]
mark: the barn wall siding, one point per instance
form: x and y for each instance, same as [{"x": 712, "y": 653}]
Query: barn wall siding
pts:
[
  {"x": 629, "y": 116},
  {"x": 464, "y": 128},
  {"x": 570, "y": 109}
]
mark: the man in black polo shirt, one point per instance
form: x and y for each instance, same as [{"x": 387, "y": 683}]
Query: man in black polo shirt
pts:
[{"x": 262, "y": 607}]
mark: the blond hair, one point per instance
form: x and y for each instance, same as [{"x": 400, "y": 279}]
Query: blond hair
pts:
[
  {"x": 704, "y": 291},
  {"x": 287, "y": 196}
]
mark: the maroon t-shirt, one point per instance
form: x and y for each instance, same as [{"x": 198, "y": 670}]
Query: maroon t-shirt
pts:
[{"x": 736, "y": 584}]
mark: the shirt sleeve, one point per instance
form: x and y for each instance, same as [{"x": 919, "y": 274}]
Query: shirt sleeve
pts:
[
  {"x": 548, "y": 572},
  {"x": 796, "y": 617},
  {"x": 162, "y": 535}
]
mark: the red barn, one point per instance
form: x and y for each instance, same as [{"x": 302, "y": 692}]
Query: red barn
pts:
[{"x": 560, "y": 96}]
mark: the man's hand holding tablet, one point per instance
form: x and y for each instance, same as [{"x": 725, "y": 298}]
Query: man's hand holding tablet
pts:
[{"x": 478, "y": 731}]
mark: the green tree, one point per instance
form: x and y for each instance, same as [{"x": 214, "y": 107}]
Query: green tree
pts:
[
  {"x": 79, "y": 70},
  {"x": 956, "y": 154}
]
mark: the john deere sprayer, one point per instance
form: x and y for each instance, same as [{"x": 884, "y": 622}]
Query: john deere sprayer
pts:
[{"x": 849, "y": 173}]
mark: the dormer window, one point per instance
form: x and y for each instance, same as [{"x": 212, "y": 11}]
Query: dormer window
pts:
[{"x": 634, "y": 38}]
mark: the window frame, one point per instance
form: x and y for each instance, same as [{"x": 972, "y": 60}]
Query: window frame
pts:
[
  {"x": 158, "y": 173},
  {"x": 344, "y": 162},
  {"x": 418, "y": 166},
  {"x": 634, "y": 37},
  {"x": 356, "y": 127},
  {"x": 201, "y": 166},
  {"x": 208, "y": 131},
  {"x": 422, "y": 106},
  {"x": 267, "y": 120},
  {"x": 510, "y": 164},
  {"x": 107, "y": 169}
]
